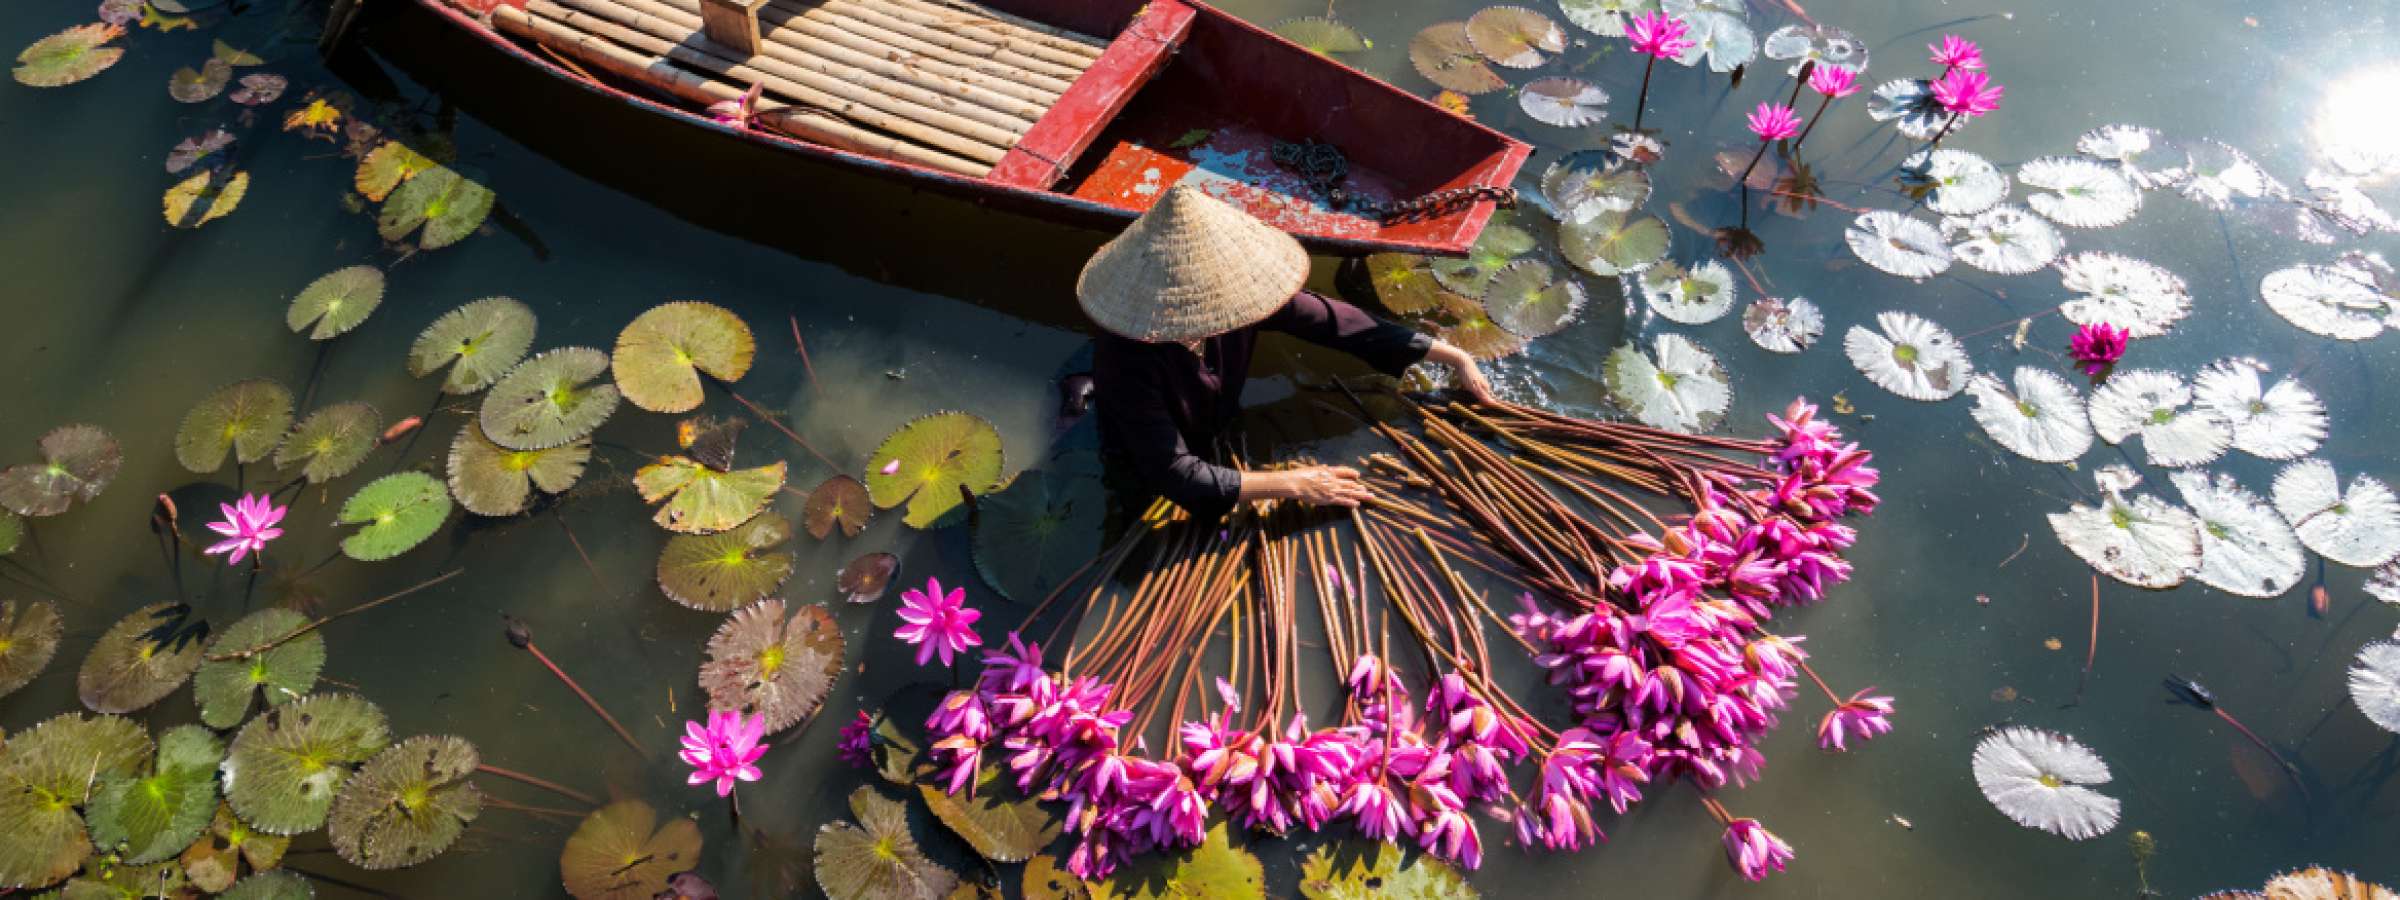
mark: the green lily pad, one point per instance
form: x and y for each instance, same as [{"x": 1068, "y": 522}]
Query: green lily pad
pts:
[
  {"x": 1470, "y": 328},
  {"x": 1372, "y": 870},
  {"x": 1502, "y": 241},
  {"x": 1034, "y": 534},
  {"x": 214, "y": 861},
  {"x": 866, "y": 578},
  {"x": 549, "y": 400},
  {"x": 288, "y": 764},
  {"x": 1530, "y": 300},
  {"x": 1322, "y": 35},
  {"x": 480, "y": 342},
  {"x": 107, "y": 877},
  {"x": 937, "y": 455},
  {"x": 877, "y": 858},
  {"x": 276, "y": 885},
  {"x": 189, "y": 85},
  {"x": 224, "y": 688},
  {"x": 661, "y": 354},
  {"x": 622, "y": 852},
  {"x": 448, "y": 204},
  {"x": 1045, "y": 879},
  {"x": 244, "y": 418},
  {"x": 68, "y": 56},
  {"x": 399, "y": 511},
  {"x": 1215, "y": 869},
  {"x": 29, "y": 635},
  {"x": 332, "y": 441},
  {"x": 336, "y": 302},
  {"x": 761, "y": 662},
  {"x": 701, "y": 500},
  {"x": 491, "y": 480},
  {"x": 45, "y": 773},
  {"x": 204, "y": 198},
  {"x": 1001, "y": 824},
  {"x": 728, "y": 570},
  {"x": 408, "y": 804},
  {"x": 127, "y": 671},
  {"x": 1616, "y": 242},
  {"x": 841, "y": 501},
  {"x": 1404, "y": 283},
  {"x": 385, "y": 167},
  {"x": 152, "y": 818},
  {"x": 12, "y": 533},
  {"x": 77, "y": 462}
]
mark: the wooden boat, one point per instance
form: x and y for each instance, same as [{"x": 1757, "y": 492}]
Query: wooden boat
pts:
[{"x": 1016, "y": 103}]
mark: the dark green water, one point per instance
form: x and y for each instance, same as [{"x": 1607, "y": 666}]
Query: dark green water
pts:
[{"x": 912, "y": 303}]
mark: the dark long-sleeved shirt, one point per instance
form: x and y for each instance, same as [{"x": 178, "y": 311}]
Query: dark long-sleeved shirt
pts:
[{"x": 1162, "y": 407}]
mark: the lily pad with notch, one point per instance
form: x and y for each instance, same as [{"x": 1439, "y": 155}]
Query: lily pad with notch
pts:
[
  {"x": 288, "y": 764},
  {"x": 246, "y": 418},
  {"x": 1002, "y": 825},
  {"x": 838, "y": 501},
  {"x": 1679, "y": 386},
  {"x": 133, "y": 665},
  {"x": 1586, "y": 183},
  {"x": 225, "y": 688},
  {"x": 1606, "y": 18},
  {"x": 865, "y": 579},
  {"x": 1468, "y": 326},
  {"x": 407, "y": 804},
  {"x": 1373, "y": 870},
  {"x": 191, "y": 151},
  {"x": 189, "y": 85},
  {"x": 151, "y": 818},
  {"x": 1514, "y": 36},
  {"x": 384, "y": 168},
  {"x": 931, "y": 460},
  {"x": 1613, "y": 242},
  {"x": 761, "y": 662},
  {"x": 1033, "y": 535},
  {"x": 701, "y": 500},
  {"x": 398, "y": 512},
  {"x": 1443, "y": 55},
  {"x": 258, "y": 89},
  {"x": 1531, "y": 300},
  {"x": 549, "y": 400},
  {"x": 203, "y": 198},
  {"x": 1502, "y": 241},
  {"x": 479, "y": 342},
  {"x": 1403, "y": 283},
  {"x": 331, "y": 441},
  {"x": 447, "y": 204},
  {"x": 663, "y": 352},
  {"x": 878, "y": 857},
  {"x": 623, "y": 852},
  {"x": 730, "y": 569},
  {"x": 491, "y": 480},
  {"x": 29, "y": 634},
  {"x": 276, "y": 885},
  {"x": 1322, "y": 35},
  {"x": 1215, "y": 869},
  {"x": 69, "y": 56},
  {"x": 50, "y": 770},
  {"x": 336, "y": 302},
  {"x": 1563, "y": 102},
  {"x": 213, "y": 862}
]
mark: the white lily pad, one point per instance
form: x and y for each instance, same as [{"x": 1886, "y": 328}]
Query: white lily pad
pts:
[
  {"x": 2004, "y": 240},
  {"x": 1679, "y": 387},
  {"x": 1722, "y": 39},
  {"x": 1615, "y": 242},
  {"x": 2158, "y": 406},
  {"x": 1911, "y": 356},
  {"x": 2142, "y": 540},
  {"x": 2285, "y": 421},
  {"x": 2246, "y": 549},
  {"x": 2043, "y": 780},
  {"x": 1699, "y": 296},
  {"x": 2042, "y": 420},
  {"x": 2081, "y": 193},
  {"x": 2375, "y": 684},
  {"x": 1563, "y": 102},
  {"x": 1960, "y": 183},
  {"x": 2334, "y": 301},
  {"x": 1908, "y": 104},
  {"x": 2142, "y": 156},
  {"x": 1899, "y": 244},
  {"x": 1783, "y": 324},
  {"x": 2359, "y": 527},
  {"x": 2128, "y": 293}
]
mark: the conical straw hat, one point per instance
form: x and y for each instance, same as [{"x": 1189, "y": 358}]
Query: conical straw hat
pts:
[{"x": 1191, "y": 267}]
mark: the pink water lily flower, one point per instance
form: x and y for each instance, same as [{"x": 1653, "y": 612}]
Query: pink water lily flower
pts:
[
  {"x": 725, "y": 750},
  {"x": 857, "y": 747},
  {"x": 2097, "y": 346},
  {"x": 1955, "y": 52},
  {"x": 1967, "y": 93},
  {"x": 938, "y": 622},
  {"x": 1754, "y": 851},
  {"x": 1774, "y": 122},
  {"x": 1862, "y": 717},
  {"x": 738, "y": 112},
  {"x": 1834, "y": 82},
  {"x": 249, "y": 524},
  {"x": 1658, "y": 34}
]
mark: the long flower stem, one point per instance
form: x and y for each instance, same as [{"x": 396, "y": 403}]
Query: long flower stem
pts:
[
  {"x": 1822, "y": 103},
  {"x": 1642, "y": 103},
  {"x": 544, "y": 784},
  {"x": 1744, "y": 178},
  {"x": 1947, "y": 124},
  {"x": 530, "y": 647},
  {"x": 248, "y": 652}
]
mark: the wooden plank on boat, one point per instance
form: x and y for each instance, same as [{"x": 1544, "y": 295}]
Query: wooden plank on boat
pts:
[
  {"x": 1044, "y": 154},
  {"x": 1004, "y": 111}
]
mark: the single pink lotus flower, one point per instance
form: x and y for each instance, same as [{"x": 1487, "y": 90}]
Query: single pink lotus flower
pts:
[
  {"x": 1754, "y": 851},
  {"x": 2097, "y": 346},
  {"x": 1774, "y": 122},
  {"x": 857, "y": 747},
  {"x": 938, "y": 622},
  {"x": 725, "y": 750},
  {"x": 249, "y": 524},
  {"x": 1861, "y": 716},
  {"x": 1955, "y": 52},
  {"x": 736, "y": 113},
  {"x": 1658, "y": 34},
  {"x": 1967, "y": 93},
  {"x": 1834, "y": 82}
]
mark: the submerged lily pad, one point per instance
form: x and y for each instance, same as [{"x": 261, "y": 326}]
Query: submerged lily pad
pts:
[
  {"x": 216, "y": 859},
  {"x": 1899, "y": 244},
  {"x": 2358, "y": 527},
  {"x": 386, "y": 166},
  {"x": 399, "y": 511},
  {"x": 491, "y": 480},
  {"x": 549, "y": 400},
  {"x": 1215, "y": 869},
  {"x": 287, "y": 672},
  {"x": 190, "y": 151},
  {"x": 29, "y": 635},
  {"x": 1783, "y": 324},
  {"x": 1616, "y": 242},
  {"x": 336, "y": 302},
  {"x": 937, "y": 456},
  {"x": 877, "y": 858},
  {"x": 151, "y": 818},
  {"x": 1563, "y": 102},
  {"x": 661, "y": 355},
  {"x": 1321, "y": 35},
  {"x": 1911, "y": 356},
  {"x": 701, "y": 500},
  {"x": 623, "y": 852},
  {"x": 69, "y": 56},
  {"x": 287, "y": 765},
  {"x": 2142, "y": 156},
  {"x": 1696, "y": 297},
  {"x": 407, "y": 804},
  {"x": 258, "y": 90},
  {"x": 2158, "y": 406},
  {"x": 1001, "y": 824},
  {"x": 1373, "y": 870},
  {"x": 2128, "y": 293},
  {"x": 128, "y": 670},
  {"x": 1721, "y": 38},
  {"x": 48, "y": 771},
  {"x": 332, "y": 441},
  {"x": 204, "y": 198},
  {"x": 1683, "y": 388},
  {"x": 245, "y": 418},
  {"x": 839, "y": 500},
  {"x": 1530, "y": 300},
  {"x": 761, "y": 662},
  {"x": 2042, "y": 420},
  {"x": 1908, "y": 104},
  {"x": 448, "y": 204},
  {"x": 1442, "y": 54},
  {"x": 730, "y": 569},
  {"x": 1501, "y": 242},
  {"x": 1038, "y": 531},
  {"x": 1468, "y": 326},
  {"x": 1586, "y": 183},
  {"x": 866, "y": 578},
  {"x": 1824, "y": 45},
  {"x": 480, "y": 342},
  {"x": 78, "y": 461},
  {"x": 2245, "y": 547}
]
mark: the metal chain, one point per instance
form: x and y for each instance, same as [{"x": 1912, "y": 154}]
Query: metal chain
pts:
[{"x": 1325, "y": 168}]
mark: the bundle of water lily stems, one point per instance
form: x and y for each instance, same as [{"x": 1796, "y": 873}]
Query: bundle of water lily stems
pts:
[{"x": 1646, "y": 565}]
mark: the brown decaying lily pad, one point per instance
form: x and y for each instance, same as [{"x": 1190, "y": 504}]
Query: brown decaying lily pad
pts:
[
  {"x": 761, "y": 662},
  {"x": 838, "y": 501},
  {"x": 866, "y": 578}
]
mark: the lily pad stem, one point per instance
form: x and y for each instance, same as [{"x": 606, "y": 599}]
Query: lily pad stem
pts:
[
  {"x": 802, "y": 346},
  {"x": 249, "y": 652},
  {"x": 518, "y": 636},
  {"x": 543, "y": 783},
  {"x": 777, "y": 423}
]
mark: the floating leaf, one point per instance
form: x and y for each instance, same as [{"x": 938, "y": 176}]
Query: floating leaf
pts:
[
  {"x": 276, "y": 885},
  {"x": 2245, "y": 547},
  {"x": 2158, "y": 406},
  {"x": 1605, "y": 18},
  {"x": 203, "y": 198},
  {"x": 1955, "y": 182},
  {"x": 2141, "y": 155},
  {"x": 336, "y": 302},
  {"x": 1899, "y": 244},
  {"x": 1215, "y": 869},
  {"x": 200, "y": 85},
  {"x": 1469, "y": 327},
  {"x": 1501, "y": 242},
  {"x": 2286, "y": 421},
  {"x": 78, "y": 461},
  {"x": 1783, "y": 325},
  {"x": 661, "y": 355},
  {"x": 386, "y": 166},
  {"x": 151, "y": 818},
  {"x": 319, "y": 116},
  {"x": 1911, "y": 357},
  {"x": 2144, "y": 542},
  {"x": 190, "y": 151},
  {"x": 1033, "y": 534},
  {"x": 449, "y": 206},
  {"x": 1697, "y": 297},
  {"x": 877, "y": 858},
  {"x": 2128, "y": 293},
  {"x": 129, "y": 669},
  {"x": 213, "y": 861},
  {"x": 232, "y": 55},
  {"x": 2222, "y": 176},
  {"x": 1723, "y": 39},
  {"x": 246, "y": 418},
  {"x": 760, "y": 662},
  {"x": 1824, "y": 45},
  {"x": 398, "y": 512},
  {"x": 1045, "y": 880},
  {"x": 258, "y": 90},
  {"x": 2004, "y": 240},
  {"x": 839, "y": 500},
  {"x": 701, "y": 500},
  {"x": 406, "y": 805},
  {"x": 1001, "y": 824},
  {"x": 1442, "y": 54},
  {"x": 1373, "y": 870},
  {"x": 331, "y": 441},
  {"x": 480, "y": 342},
  {"x": 1683, "y": 388},
  {"x": 1586, "y": 183},
  {"x": 867, "y": 577},
  {"x": 29, "y": 635},
  {"x": 2084, "y": 194},
  {"x": 491, "y": 480},
  {"x": 2338, "y": 302},
  {"x": 2043, "y": 420},
  {"x": 1563, "y": 102},
  {"x": 45, "y": 773},
  {"x": 1530, "y": 300},
  {"x": 1322, "y": 35},
  {"x": 287, "y": 672},
  {"x": 12, "y": 532},
  {"x": 549, "y": 400},
  {"x": 728, "y": 570},
  {"x": 623, "y": 852},
  {"x": 938, "y": 456},
  {"x": 69, "y": 56},
  {"x": 2375, "y": 685},
  {"x": 1613, "y": 242},
  {"x": 1404, "y": 283},
  {"x": 2359, "y": 527},
  {"x": 121, "y": 12},
  {"x": 287, "y": 764},
  {"x": 1514, "y": 36},
  {"x": 2041, "y": 779},
  {"x": 1908, "y": 104}
]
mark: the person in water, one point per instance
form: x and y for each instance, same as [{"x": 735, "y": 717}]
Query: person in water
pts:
[{"x": 1181, "y": 298}]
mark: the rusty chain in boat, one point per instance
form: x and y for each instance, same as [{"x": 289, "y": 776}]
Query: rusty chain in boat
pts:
[{"x": 1325, "y": 168}]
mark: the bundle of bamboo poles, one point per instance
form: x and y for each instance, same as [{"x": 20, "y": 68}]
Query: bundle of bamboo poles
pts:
[{"x": 941, "y": 83}]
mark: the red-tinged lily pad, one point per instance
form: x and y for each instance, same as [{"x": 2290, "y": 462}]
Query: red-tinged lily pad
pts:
[
  {"x": 189, "y": 85},
  {"x": 69, "y": 56},
  {"x": 866, "y": 578},
  {"x": 120, "y": 12},
  {"x": 258, "y": 90},
  {"x": 386, "y": 166},
  {"x": 204, "y": 198},
  {"x": 838, "y": 501},
  {"x": 194, "y": 149}
]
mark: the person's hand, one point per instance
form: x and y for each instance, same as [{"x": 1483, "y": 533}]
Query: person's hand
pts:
[
  {"x": 1313, "y": 485},
  {"x": 1462, "y": 364}
]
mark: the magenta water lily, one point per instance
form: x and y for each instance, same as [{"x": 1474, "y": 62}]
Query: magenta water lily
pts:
[
  {"x": 248, "y": 525},
  {"x": 1770, "y": 122},
  {"x": 938, "y": 622},
  {"x": 1955, "y": 53},
  {"x": 1654, "y": 35},
  {"x": 2097, "y": 346},
  {"x": 726, "y": 749}
]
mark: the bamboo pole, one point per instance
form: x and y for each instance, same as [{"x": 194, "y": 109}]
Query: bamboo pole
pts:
[
  {"x": 842, "y": 62},
  {"x": 881, "y": 115},
  {"x": 818, "y": 37},
  {"x": 893, "y": 30},
  {"x": 1042, "y": 30},
  {"x": 593, "y": 50},
  {"x": 982, "y": 28}
]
